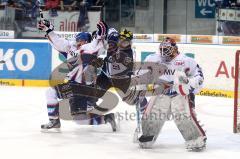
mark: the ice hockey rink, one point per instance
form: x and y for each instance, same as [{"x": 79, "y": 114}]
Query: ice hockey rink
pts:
[{"x": 22, "y": 111}]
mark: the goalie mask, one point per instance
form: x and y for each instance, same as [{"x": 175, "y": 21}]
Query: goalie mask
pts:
[{"x": 168, "y": 49}]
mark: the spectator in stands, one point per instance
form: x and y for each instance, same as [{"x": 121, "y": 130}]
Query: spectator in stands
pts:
[
  {"x": 83, "y": 21},
  {"x": 99, "y": 2},
  {"x": 11, "y": 3},
  {"x": 68, "y": 5},
  {"x": 52, "y": 6},
  {"x": 3, "y": 2}
]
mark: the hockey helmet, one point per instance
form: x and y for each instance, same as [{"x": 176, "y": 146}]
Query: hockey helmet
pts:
[
  {"x": 167, "y": 49},
  {"x": 113, "y": 37},
  {"x": 126, "y": 35},
  {"x": 83, "y": 36}
]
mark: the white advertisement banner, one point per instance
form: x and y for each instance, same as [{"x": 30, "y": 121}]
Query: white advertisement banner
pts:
[
  {"x": 6, "y": 34},
  {"x": 143, "y": 38},
  {"x": 65, "y": 22},
  {"x": 216, "y": 61}
]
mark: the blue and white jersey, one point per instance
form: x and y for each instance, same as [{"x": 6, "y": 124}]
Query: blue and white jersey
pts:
[{"x": 73, "y": 53}]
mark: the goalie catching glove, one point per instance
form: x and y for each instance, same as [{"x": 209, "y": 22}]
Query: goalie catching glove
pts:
[
  {"x": 45, "y": 25},
  {"x": 185, "y": 85}
]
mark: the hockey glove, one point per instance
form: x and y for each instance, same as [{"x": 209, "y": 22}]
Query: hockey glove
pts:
[
  {"x": 181, "y": 83},
  {"x": 45, "y": 25},
  {"x": 102, "y": 29},
  {"x": 97, "y": 62}
]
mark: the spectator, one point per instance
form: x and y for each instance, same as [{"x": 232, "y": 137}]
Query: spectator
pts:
[
  {"x": 68, "y": 4},
  {"x": 83, "y": 21},
  {"x": 52, "y": 6},
  {"x": 11, "y": 3},
  {"x": 99, "y": 3},
  {"x": 4, "y": 2}
]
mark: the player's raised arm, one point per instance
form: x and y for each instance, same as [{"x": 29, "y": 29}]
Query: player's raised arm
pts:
[
  {"x": 60, "y": 44},
  {"x": 98, "y": 44}
]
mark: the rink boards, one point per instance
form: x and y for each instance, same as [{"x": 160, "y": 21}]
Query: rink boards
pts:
[{"x": 30, "y": 63}]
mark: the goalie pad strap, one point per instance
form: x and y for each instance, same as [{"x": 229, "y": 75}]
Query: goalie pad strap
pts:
[
  {"x": 181, "y": 90},
  {"x": 194, "y": 118}
]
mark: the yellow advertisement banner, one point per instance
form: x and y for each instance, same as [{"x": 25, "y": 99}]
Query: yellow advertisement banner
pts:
[
  {"x": 176, "y": 37},
  {"x": 202, "y": 39},
  {"x": 231, "y": 40}
]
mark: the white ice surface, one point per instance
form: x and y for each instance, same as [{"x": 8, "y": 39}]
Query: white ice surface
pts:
[{"x": 22, "y": 110}]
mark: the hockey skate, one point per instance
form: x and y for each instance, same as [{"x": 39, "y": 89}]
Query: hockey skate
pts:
[
  {"x": 53, "y": 126},
  {"x": 196, "y": 145},
  {"x": 146, "y": 142},
  {"x": 110, "y": 118}
]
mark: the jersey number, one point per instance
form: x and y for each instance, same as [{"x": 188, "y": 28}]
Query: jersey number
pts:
[{"x": 116, "y": 67}]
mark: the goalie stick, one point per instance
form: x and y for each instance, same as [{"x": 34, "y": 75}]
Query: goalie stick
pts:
[{"x": 138, "y": 130}]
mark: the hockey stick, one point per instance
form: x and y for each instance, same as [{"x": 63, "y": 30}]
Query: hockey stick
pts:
[
  {"x": 138, "y": 130},
  {"x": 40, "y": 10}
]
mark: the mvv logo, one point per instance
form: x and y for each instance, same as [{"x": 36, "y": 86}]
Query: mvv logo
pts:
[{"x": 169, "y": 72}]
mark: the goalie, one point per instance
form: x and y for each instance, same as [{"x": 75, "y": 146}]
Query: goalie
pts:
[{"x": 187, "y": 78}]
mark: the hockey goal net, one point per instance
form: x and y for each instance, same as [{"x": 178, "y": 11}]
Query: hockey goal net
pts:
[{"x": 236, "y": 120}]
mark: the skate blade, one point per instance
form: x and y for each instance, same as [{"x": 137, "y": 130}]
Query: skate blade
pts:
[
  {"x": 146, "y": 145},
  {"x": 136, "y": 136},
  {"x": 53, "y": 130},
  {"x": 200, "y": 149}
]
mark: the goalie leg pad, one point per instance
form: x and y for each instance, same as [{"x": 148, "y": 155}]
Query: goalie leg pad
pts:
[
  {"x": 187, "y": 123},
  {"x": 198, "y": 144},
  {"x": 153, "y": 120}
]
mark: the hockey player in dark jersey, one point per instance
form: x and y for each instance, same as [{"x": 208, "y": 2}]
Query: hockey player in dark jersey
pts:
[{"x": 118, "y": 64}]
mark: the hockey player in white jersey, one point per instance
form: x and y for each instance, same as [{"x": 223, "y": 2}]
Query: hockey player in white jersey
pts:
[
  {"x": 187, "y": 77},
  {"x": 75, "y": 51}
]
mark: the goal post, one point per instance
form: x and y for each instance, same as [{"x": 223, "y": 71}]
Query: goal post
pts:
[{"x": 236, "y": 118}]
